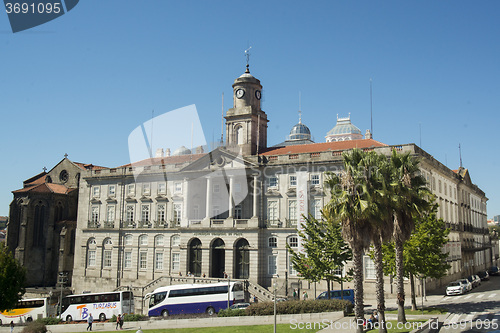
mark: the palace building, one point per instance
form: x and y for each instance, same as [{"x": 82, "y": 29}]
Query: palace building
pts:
[{"x": 230, "y": 212}]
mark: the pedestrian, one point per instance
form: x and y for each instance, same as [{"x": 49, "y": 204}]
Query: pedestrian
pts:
[
  {"x": 121, "y": 322},
  {"x": 295, "y": 294},
  {"x": 304, "y": 295},
  {"x": 11, "y": 326},
  {"x": 118, "y": 320},
  {"x": 90, "y": 320}
]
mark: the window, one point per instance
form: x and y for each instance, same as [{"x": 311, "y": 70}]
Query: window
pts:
[
  {"x": 107, "y": 258},
  {"x": 143, "y": 240},
  {"x": 162, "y": 188},
  {"x": 131, "y": 189},
  {"x": 293, "y": 181},
  {"x": 292, "y": 211},
  {"x": 159, "y": 261},
  {"x": 439, "y": 186},
  {"x": 216, "y": 188},
  {"x": 143, "y": 260},
  {"x": 273, "y": 182},
  {"x": 96, "y": 191},
  {"x": 292, "y": 271},
  {"x": 112, "y": 190},
  {"x": 95, "y": 214},
  {"x": 178, "y": 187},
  {"x": 272, "y": 210},
  {"x": 176, "y": 261},
  {"x": 293, "y": 241},
  {"x": 196, "y": 211},
  {"x": 161, "y": 212},
  {"x": 130, "y": 213},
  {"x": 272, "y": 265},
  {"x": 177, "y": 212},
  {"x": 369, "y": 268},
  {"x": 316, "y": 208},
  {"x": 146, "y": 189},
  {"x": 110, "y": 215},
  {"x": 145, "y": 213},
  {"x": 159, "y": 240},
  {"x": 128, "y": 240},
  {"x": 216, "y": 212},
  {"x": 237, "y": 212},
  {"x": 91, "y": 258},
  {"x": 273, "y": 242},
  {"x": 127, "y": 259},
  {"x": 176, "y": 240},
  {"x": 315, "y": 180}
]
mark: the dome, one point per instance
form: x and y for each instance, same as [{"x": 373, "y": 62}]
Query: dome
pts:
[
  {"x": 181, "y": 151},
  {"x": 344, "y": 126},
  {"x": 300, "y": 132}
]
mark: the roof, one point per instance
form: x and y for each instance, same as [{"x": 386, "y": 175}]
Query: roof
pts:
[
  {"x": 86, "y": 166},
  {"x": 46, "y": 188},
  {"x": 35, "y": 180},
  {"x": 344, "y": 126},
  {"x": 166, "y": 160},
  {"x": 323, "y": 146}
]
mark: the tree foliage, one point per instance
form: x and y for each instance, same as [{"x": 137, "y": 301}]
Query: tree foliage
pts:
[{"x": 12, "y": 279}]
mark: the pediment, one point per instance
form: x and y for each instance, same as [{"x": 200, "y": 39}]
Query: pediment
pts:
[{"x": 219, "y": 159}]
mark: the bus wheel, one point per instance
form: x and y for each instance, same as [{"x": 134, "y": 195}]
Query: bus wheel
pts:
[
  {"x": 29, "y": 319},
  {"x": 102, "y": 317},
  {"x": 210, "y": 311},
  {"x": 69, "y": 318},
  {"x": 164, "y": 313}
]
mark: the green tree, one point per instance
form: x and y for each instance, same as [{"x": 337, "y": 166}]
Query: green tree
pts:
[
  {"x": 325, "y": 251},
  {"x": 349, "y": 204},
  {"x": 408, "y": 199},
  {"x": 12, "y": 279}
]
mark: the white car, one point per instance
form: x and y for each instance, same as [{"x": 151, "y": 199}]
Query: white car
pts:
[
  {"x": 467, "y": 283},
  {"x": 456, "y": 288}
]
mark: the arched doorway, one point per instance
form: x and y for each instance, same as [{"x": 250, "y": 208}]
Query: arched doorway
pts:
[
  {"x": 218, "y": 255},
  {"x": 195, "y": 257},
  {"x": 242, "y": 259}
]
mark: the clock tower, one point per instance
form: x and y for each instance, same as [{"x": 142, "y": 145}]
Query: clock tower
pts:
[{"x": 246, "y": 123}]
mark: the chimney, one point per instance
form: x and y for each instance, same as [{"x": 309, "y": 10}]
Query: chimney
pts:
[
  {"x": 199, "y": 150},
  {"x": 368, "y": 134},
  {"x": 159, "y": 152},
  {"x": 167, "y": 152}
]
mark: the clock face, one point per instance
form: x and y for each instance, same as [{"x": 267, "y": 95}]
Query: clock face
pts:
[
  {"x": 240, "y": 93},
  {"x": 257, "y": 94}
]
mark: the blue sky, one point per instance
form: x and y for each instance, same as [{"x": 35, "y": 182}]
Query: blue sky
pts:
[{"x": 82, "y": 83}]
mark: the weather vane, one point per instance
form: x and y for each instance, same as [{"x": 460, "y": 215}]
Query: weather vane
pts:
[{"x": 247, "y": 54}]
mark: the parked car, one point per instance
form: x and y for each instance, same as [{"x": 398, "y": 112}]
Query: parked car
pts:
[
  {"x": 478, "y": 279},
  {"x": 456, "y": 288},
  {"x": 493, "y": 270},
  {"x": 237, "y": 306},
  {"x": 474, "y": 280},
  {"x": 348, "y": 295},
  {"x": 483, "y": 275},
  {"x": 467, "y": 284}
]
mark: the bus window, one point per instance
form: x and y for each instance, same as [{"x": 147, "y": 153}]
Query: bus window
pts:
[
  {"x": 126, "y": 295},
  {"x": 237, "y": 287}
]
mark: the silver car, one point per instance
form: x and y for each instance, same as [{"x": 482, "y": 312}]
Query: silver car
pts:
[{"x": 456, "y": 288}]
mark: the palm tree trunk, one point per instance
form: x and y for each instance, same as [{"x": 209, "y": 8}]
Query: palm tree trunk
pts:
[
  {"x": 328, "y": 288},
  {"x": 379, "y": 271},
  {"x": 413, "y": 298},
  {"x": 400, "y": 280},
  {"x": 359, "y": 314}
]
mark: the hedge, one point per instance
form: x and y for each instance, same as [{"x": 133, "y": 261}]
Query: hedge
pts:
[{"x": 297, "y": 306}]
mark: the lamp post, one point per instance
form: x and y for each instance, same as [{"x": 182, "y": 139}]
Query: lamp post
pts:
[
  {"x": 62, "y": 279},
  {"x": 228, "y": 291},
  {"x": 275, "y": 285}
]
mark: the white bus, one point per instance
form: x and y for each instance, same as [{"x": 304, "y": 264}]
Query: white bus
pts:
[
  {"x": 194, "y": 298},
  {"x": 101, "y": 305},
  {"x": 26, "y": 310}
]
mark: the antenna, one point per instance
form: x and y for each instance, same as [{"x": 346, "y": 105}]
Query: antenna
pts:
[
  {"x": 300, "y": 107},
  {"x": 420, "y": 134},
  {"x": 222, "y": 122},
  {"x": 151, "y": 140},
  {"x": 460, "y": 153},
  {"x": 247, "y": 54},
  {"x": 258, "y": 133},
  {"x": 371, "y": 109}
]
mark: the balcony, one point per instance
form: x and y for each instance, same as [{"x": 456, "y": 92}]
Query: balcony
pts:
[
  {"x": 274, "y": 224},
  {"x": 109, "y": 224},
  {"x": 93, "y": 224}
]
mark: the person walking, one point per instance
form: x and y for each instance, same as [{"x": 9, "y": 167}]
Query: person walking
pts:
[
  {"x": 121, "y": 322},
  {"x": 118, "y": 319},
  {"x": 305, "y": 295},
  {"x": 11, "y": 326},
  {"x": 90, "y": 320}
]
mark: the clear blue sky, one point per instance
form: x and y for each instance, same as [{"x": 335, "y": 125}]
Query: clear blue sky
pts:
[{"x": 81, "y": 83}]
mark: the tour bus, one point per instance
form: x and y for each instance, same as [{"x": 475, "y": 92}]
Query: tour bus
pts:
[
  {"x": 26, "y": 310},
  {"x": 100, "y": 305},
  {"x": 194, "y": 298}
]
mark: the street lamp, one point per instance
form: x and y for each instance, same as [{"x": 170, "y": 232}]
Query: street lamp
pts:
[
  {"x": 62, "y": 280},
  {"x": 275, "y": 286}
]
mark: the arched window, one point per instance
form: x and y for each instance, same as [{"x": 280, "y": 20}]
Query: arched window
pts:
[
  {"x": 39, "y": 224},
  {"x": 127, "y": 240},
  {"x": 159, "y": 241},
  {"x": 91, "y": 252},
  {"x": 238, "y": 131},
  {"x": 143, "y": 240},
  {"x": 176, "y": 240},
  {"x": 58, "y": 215},
  {"x": 107, "y": 252},
  {"x": 242, "y": 259},
  {"x": 195, "y": 257}
]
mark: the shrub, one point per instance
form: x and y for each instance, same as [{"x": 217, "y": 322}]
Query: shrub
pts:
[
  {"x": 133, "y": 317},
  {"x": 296, "y": 307},
  {"x": 232, "y": 313},
  {"x": 49, "y": 320},
  {"x": 35, "y": 327}
]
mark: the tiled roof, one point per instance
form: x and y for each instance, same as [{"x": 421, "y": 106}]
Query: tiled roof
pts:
[
  {"x": 46, "y": 188},
  {"x": 35, "y": 180},
  {"x": 166, "y": 160},
  {"x": 323, "y": 146},
  {"x": 85, "y": 166}
]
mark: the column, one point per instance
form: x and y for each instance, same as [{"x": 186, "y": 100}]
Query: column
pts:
[
  {"x": 185, "y": 211},
  {"x": 255, "y": 196},
  {"x": 209, "y": 198},
  {"x": 230, "y": 206}
]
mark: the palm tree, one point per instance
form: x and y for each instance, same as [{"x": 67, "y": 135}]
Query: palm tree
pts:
[
  {"x": 349, "y": 204},
  {"x": 409, "y": 195}
]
